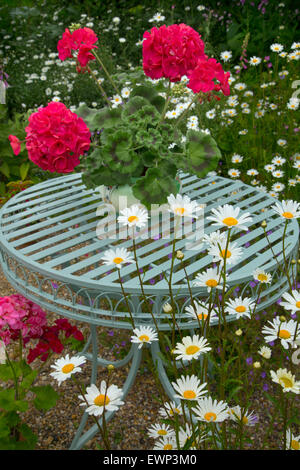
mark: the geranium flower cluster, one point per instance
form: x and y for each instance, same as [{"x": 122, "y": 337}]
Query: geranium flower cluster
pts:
[
  {"x": 81, "y": 40},
  {"x": 177, "y": 50},
  {"x": 20, "y": 316},
  {"x": 56, "y": 137}
]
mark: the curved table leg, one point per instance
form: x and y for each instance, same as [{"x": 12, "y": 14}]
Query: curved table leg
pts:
[{"x": 80, "y": 439}]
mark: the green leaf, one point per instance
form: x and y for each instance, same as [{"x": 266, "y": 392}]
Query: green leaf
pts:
[
  {"x": 154, "y": 187},
  {"x": 9, "y": 403},
  {"x": 4, "y": 168},
  {"x": 46, "y": 397},
  {"x": 24, "y": 168},
  {"x": 203, "y": 153},
  {"x": 105, "y": 118}
]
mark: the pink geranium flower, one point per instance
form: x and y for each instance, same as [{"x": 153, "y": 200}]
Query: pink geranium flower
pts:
[
  {"x": 15, "y": 144},
  {"x": 81, "y": 40}
]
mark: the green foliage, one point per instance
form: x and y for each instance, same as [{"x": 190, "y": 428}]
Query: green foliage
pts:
[{"x": 14, "y": 400}]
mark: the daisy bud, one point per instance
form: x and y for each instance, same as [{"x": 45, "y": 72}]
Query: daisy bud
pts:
[
  {"x": 256, "y": 365},
  {"x": 110, "y": 367},
  {"x": 282, "y": 318},
  {"x": 293, "y": 261},
  {"x": 264, "y": 224},
  {"x": 167, "y": 308},
  {"x": 179, "y": 255},
  {"x": 239, "y": 332}
]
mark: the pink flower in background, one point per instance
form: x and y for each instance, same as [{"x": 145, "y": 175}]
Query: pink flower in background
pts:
[
  {"x": 171, "y": 51},
  {"x": 56, "y": 137},
  {"x": 15, "y": 144}
]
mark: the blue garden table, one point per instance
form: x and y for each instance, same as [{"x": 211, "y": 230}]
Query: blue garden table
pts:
[{"x": 50, "y": 253}]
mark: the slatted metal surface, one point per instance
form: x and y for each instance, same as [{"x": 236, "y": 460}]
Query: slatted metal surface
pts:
[{"x": 50, "y": 229}]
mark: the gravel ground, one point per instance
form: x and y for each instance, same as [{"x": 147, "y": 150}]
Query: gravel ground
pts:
[{"x": 128, "y": 429}]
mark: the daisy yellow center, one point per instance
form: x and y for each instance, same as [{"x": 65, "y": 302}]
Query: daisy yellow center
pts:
[
  {"x": 284, "y": 334},
  {"x": 262, "y": 277},
  {"x": 67, "y": 368},
  {"x": 230, "y": 221},
  {"x": 180, "y": 210},
  {"x": 192, "y": 349},
  {"x": 162, "y": 432},
  {"x": 228, "y": 254},
  {"x": 211, "y": 283},
  {"x": 189, "y": 394},
  {"x": 287, "y": 215},
  {"x": 101, "y": 400},
  {"x": 240, "y": 309},
  {"x": 210, "y": 416},
  {"x": 144, "y": 338},
  {"x": 118, "y": 260},
  {"x": 132, "y": 218},
  {"x": 298, "y": 304},
  {"x": 285, "y": 382},
  {"x": 295, "y": 445},
  {"x": 245, "y": 420},
  {"x": 202, "y": 316},
  {"x": 168, "y": 447}
]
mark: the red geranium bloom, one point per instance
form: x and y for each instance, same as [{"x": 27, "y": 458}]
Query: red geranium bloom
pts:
[
  {"x": 56, "y": 137},
  {"x": 203, "y": 76},
  {"x": 171, "y": 51},
  {"x": 15, "y": 144}
]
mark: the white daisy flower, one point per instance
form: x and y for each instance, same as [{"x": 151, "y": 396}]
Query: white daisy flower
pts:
[
  {"x": 255, "y": 60},
  {"x": 133, "y": 216},
  {"x": 116, "y": 100},
  {"x": 200, "y": 312},
  {"x": 214, "y": 237},
  {"x": 168, "y": 443},
  {"x": 287, "y": 209},
  {"x": 189, "y": 388},
  {"x": 173, "y": 114},
  {"x": 252, "y": 172},
  {"x": 237, "y": 158},
  {"x": 240, "y": 86},
  {"x": 232, "y": 252},
  {"x": 248, "y": 418},
  {"x": 185, "y": 434},
  {"x": 66, "y": 366},
  {"x": 276, "y": 47},
  {"x": 226, "y": 56},
  {"x": 191, "y": 347},
  {"x": 158, "y": 17},
  {"x": 284, "y": 331},
  {"x": 144, "y": 334},
  {"x": 292, "y": 442},
  {"x": 278, "y": 160},
  {"x": 292, "y": 301},
  {"x": 262, "y": 276},
  {"x": 278, "y": 187},
  {"x": 183, "y": 206},
  {"x": 169, "y": 410},
  {"x": 241, "y": 307},
  {"x": 160, "y": 430},
  {"x": 228, "y": 216},
  {"x": 209, "y": 279},
  {"x": 125, "y": 92},
  {"x": 265, "y": 352},
  {"x": 293, "y": 103},
  {"x": 117, "y": 257},
  {"x": 278, "y": 173},
  {"x": 286, "y": 380},
  {"x": 103, "y": 399},
  {"x": 210, "y": 410},
  {"x": 281, "y": 142},
  {"x": 210, "y": 114},
  {"x": 269, "y": 167},
  {"x": 234, "y": 173}
]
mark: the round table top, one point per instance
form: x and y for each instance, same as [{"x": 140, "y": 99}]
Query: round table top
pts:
[{"x": 50, "y": 230}]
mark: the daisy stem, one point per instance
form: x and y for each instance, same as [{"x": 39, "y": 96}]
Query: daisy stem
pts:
[
  {"x": 15, "y": 379},
  {"x": 106, "y": 443},
  {"x": 284, "y": 257},
  {"x": 126, "y": 300},
  {"x": 107, "y": 73},
  {"x": 168, "y": 98}
]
